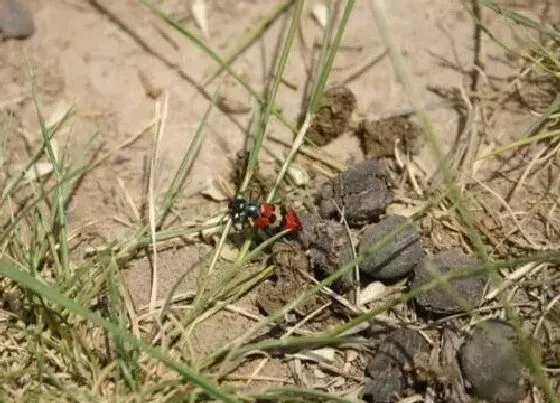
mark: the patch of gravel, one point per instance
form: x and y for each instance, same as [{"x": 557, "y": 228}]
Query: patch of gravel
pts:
[
  {"x": 439, "y": 300},
  {"x": 490, "y": 362},
  {"x": 398, "y": 257},
  {"x": 361, "y": 193}
]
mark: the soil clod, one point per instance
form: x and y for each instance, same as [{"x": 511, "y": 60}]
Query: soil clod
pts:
[
  {"x": 442, "y": 300},
  {"x": 260, "y": 184},
  {"x": 332, "y": 117},
  {"x": 328, "y": 247},
  {"x": 361, "y": 193},
  {"x": 490, "y": 362},
  {"x": 377, "y": 137},
  {"x": 398, "y": 257},
  {"x": 289, "y": 280}
]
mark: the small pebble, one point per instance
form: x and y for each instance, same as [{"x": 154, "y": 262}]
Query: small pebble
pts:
[
  {"x": 490, "y": 362},
  {"x": 398, "y": 257},
  {"x": 15, "y": 20},
  {"x": 438, "y": 300}
]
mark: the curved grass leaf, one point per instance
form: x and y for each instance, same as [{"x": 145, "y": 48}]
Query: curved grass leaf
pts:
[{"x": 48, "y": 292}]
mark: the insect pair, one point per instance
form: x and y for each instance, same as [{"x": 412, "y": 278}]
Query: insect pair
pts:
[{"x": 264, "y": 216}]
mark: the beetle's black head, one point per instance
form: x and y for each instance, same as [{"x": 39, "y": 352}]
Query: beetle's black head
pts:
[{"x": 237, "y": 209}]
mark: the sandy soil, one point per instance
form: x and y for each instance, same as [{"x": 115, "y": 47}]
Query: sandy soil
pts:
[{"x": 108, "y": 57}]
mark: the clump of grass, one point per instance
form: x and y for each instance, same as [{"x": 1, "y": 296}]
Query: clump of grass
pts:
[{"x": 62, "y": 346}]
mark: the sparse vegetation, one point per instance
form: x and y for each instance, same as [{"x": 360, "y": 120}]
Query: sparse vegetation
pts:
[{"x": 71, "y": 330}]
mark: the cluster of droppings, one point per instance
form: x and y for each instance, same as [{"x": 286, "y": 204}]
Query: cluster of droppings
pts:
[
  {"x": 351, "y": 220},
  {"x": 390, "y": 249}
]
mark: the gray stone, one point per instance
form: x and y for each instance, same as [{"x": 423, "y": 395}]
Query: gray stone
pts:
[
  {"x": 439, "y": 300},
  {"x": 490, "y": 362},
  {"x": 398, "y": 257},
  {"x": 15, "y": 20}
]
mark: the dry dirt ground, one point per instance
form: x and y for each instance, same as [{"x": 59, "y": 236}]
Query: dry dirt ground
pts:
[{"x": 111, "y": 57}]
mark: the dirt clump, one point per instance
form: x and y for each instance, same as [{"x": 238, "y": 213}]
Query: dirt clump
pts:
[
  {"x": 378, "y": 137},
  {"x": 361, "y": 193},
  {"x": 398, "y": 257},
  {"x": 332, "y": 117},
  {"x": 259, "y": 185},
  {"x": 328, "y": 248},
  {"x": 291, "y": 278}
]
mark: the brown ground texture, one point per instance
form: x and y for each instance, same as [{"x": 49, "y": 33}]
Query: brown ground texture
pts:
[{"x": 115, "y": 61}]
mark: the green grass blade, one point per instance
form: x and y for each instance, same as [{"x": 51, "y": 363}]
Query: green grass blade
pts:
[
  {"x": 60, "y": 195},
  {"x": 187, "y": 162},
  {"x": 325, "y": 67},
  {"x": 268, "y": 107},
  {"x": 251, "y": 37},
  {"x": 521, "y": 19},
  {"x": 429, "y": 130},
  {"x": 48, "y": 292},
  {"x": 293, "y": 394},
  {"x": 206, "y": 49}
]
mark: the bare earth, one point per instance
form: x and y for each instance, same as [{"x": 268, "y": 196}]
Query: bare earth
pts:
[{"x": 113, "y": 58}]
